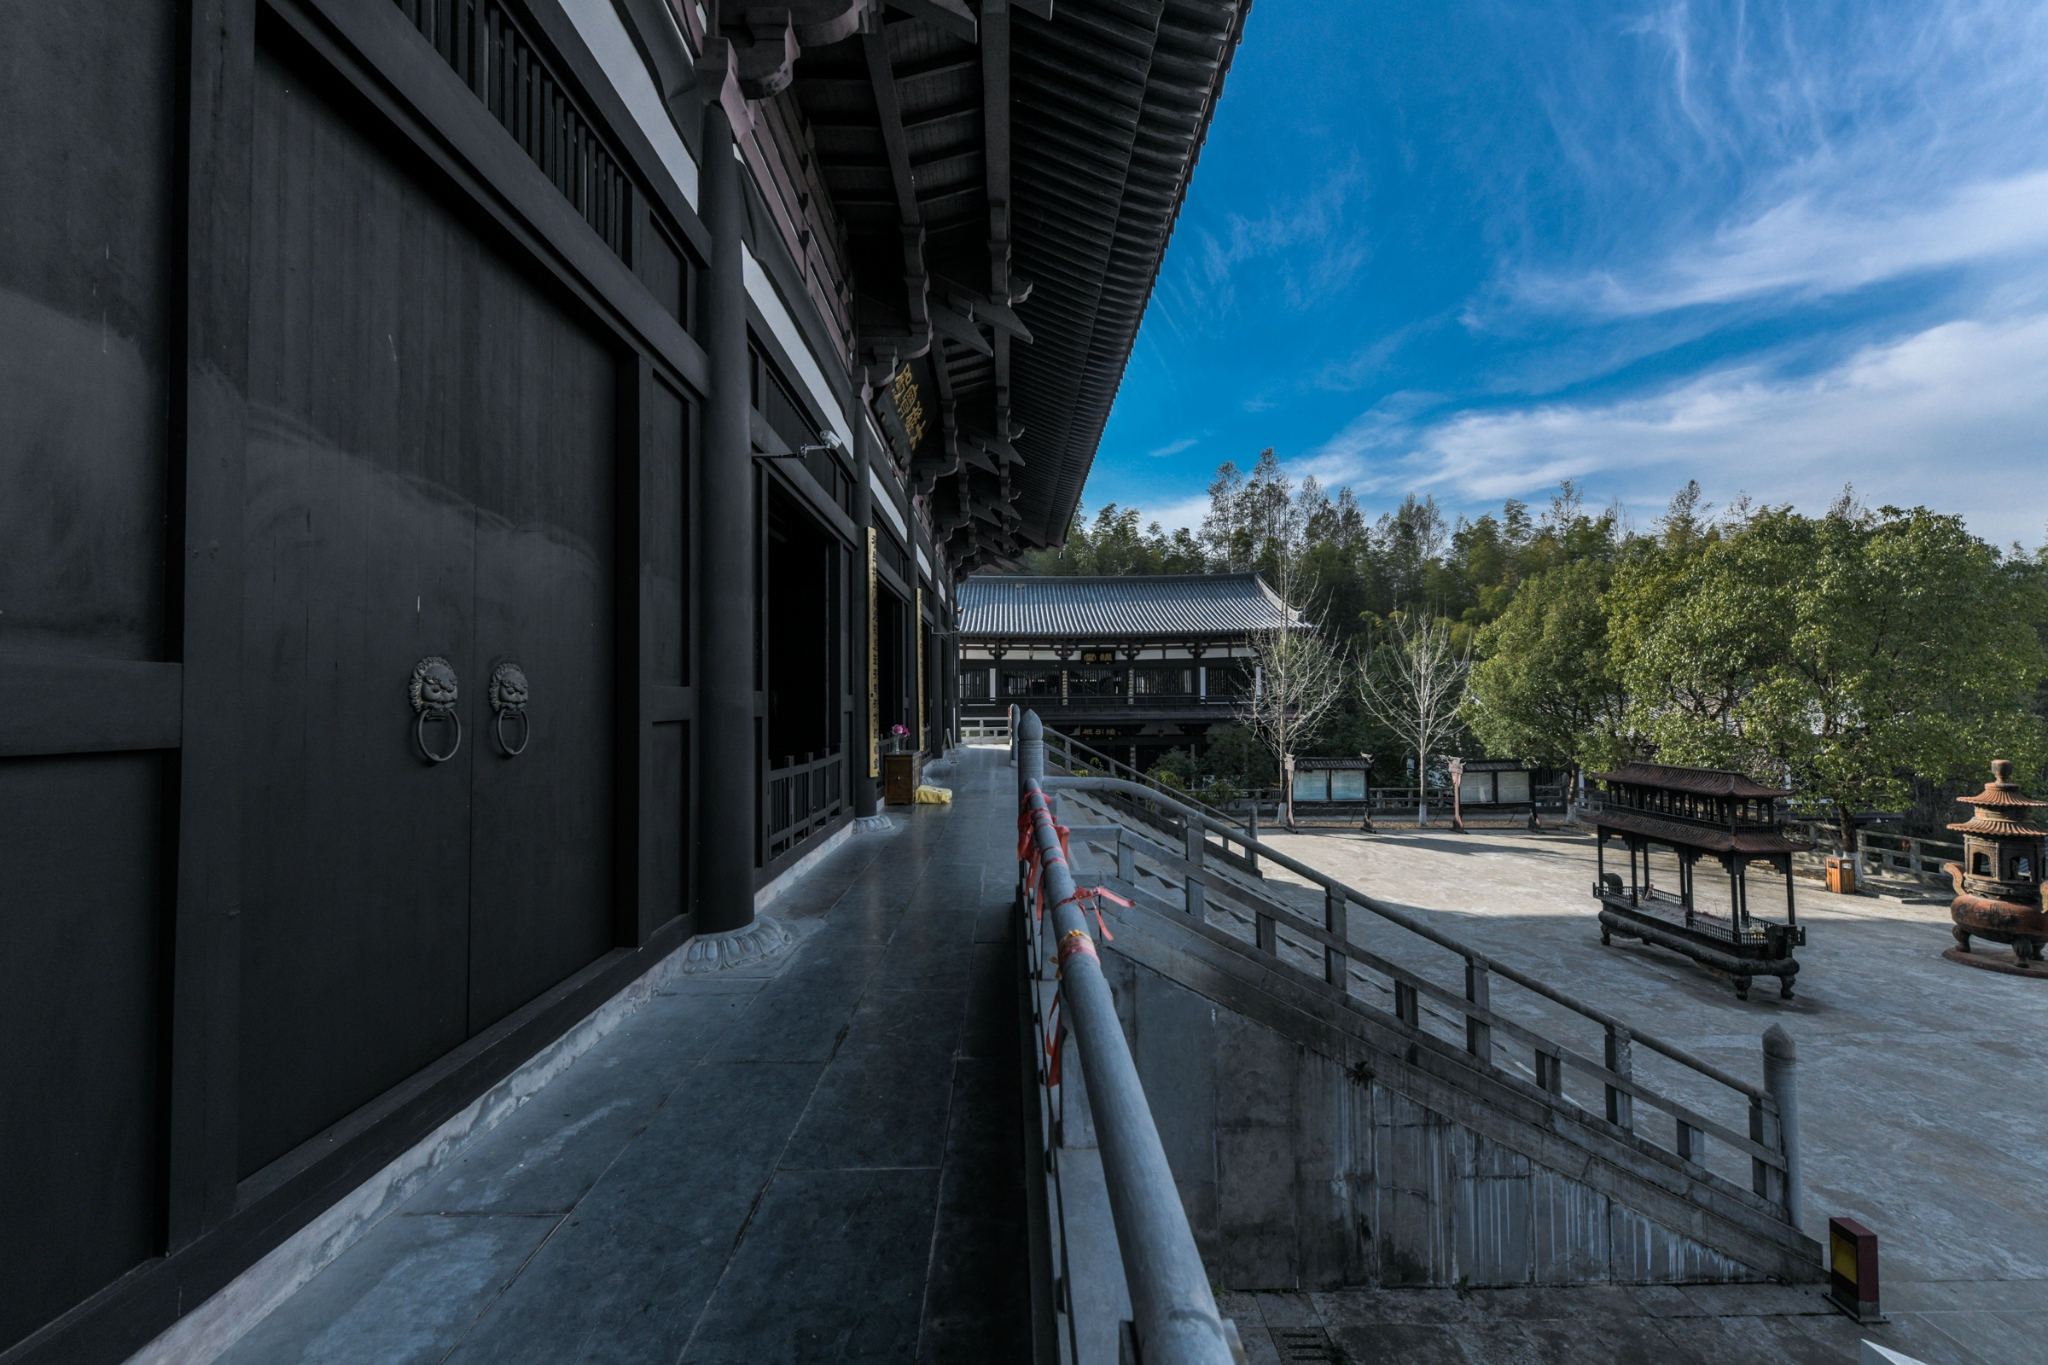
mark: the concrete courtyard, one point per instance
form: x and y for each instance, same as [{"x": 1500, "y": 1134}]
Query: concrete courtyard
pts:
[{"x": 1923, "y": 1094}]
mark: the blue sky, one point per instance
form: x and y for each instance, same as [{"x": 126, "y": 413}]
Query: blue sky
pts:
[{"x": 1472, "y": 248}]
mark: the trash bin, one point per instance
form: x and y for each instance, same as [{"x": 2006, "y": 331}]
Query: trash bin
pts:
[{"x": 1842, "y": 876}]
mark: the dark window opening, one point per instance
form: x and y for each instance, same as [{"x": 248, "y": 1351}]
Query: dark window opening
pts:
[
  {"x": 1165, "y": 682},
  {"x": 892, "y": 618},
  {"x": 802, "y": 634},
  {"x": 1096, "y": 682},
  {"x": 1037, "y": 682}
]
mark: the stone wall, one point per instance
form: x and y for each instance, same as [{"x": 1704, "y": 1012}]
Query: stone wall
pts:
[{"x": 1300, "y": 1170}]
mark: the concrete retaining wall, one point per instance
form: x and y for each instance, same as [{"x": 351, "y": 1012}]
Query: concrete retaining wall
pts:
[{"x": 1304, "y": 1164}]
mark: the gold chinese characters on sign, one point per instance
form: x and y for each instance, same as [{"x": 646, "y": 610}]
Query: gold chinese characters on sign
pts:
[{"x": 909, "y": 406}]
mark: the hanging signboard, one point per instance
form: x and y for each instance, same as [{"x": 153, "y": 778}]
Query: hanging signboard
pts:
[{"x": 900, "y": 410}]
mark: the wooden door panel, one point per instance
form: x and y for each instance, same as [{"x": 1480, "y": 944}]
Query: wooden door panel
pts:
[
  {"x": 356, "y": 857},
  {"x": 541, "y": 849},
  {"x": 430, "y": 472}
]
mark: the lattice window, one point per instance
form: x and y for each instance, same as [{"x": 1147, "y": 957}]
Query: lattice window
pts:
[{"x": 492, "y": 54}]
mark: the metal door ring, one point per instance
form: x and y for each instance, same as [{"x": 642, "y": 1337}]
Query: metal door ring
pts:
[
  {"x": 419, "y": 734},
  {"x": 434, "y": 692},
  {"x": 525, "y": 733},
  {"x": 508, "y": 698}
]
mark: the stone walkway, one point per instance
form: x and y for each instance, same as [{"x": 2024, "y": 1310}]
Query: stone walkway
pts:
[{"x": 815, "y": 1160}]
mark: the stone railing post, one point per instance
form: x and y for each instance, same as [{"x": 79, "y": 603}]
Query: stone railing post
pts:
[
  {"x": 1781, "y": 1062},
  {"x": 1479, "y": 993},
  {"x": 1621, "y": 1105}
]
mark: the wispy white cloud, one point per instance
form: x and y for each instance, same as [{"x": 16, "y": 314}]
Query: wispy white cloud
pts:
[
  {"x": 1305, "y": 246},
  {"x": 1806, "y": 248},
  {"x": 1186, "y": 512},
  {"x": 1955, "y": 417},
  {"x": 1175, "y": 447},
  {"x": 1727, "y": 154}
]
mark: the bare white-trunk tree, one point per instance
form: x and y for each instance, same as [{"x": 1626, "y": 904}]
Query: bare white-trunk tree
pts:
[
  {"x": 1299, "y": 678},
  {"x": 1413, "y": 684}
]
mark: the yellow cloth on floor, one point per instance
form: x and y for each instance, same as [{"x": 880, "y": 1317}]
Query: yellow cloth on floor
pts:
[{"x": 928, "y": 795}]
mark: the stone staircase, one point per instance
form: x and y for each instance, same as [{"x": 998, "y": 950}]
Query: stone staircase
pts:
[{"x": 1335, "y": 1115}]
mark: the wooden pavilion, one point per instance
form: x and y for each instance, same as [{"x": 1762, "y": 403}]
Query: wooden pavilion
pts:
[{"x": 1697, "y": 813}]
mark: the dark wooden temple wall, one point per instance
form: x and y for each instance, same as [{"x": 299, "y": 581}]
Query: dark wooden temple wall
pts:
[
  {"x": 310, "y": 367},
  {"x": 88, "y": 286},
  {"x": 327, "y": 345}
]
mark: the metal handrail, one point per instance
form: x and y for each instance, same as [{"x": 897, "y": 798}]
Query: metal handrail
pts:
[
  {"x": 1173, "y": 1312},
  {"x": 1773, "y": 1141},
  {"x": 1096, "y": 757},
  {"x": 1424, "y": 930}
]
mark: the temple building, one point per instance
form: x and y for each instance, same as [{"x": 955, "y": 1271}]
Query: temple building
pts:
[
  {"x": 1134, "y": 665},
  {"x": 484, "y": 478}
]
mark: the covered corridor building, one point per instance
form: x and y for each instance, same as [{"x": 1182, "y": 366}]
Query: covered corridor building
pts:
[
  {"x": 481, "y": 476},
  {"x": 1134, "y": 665}
]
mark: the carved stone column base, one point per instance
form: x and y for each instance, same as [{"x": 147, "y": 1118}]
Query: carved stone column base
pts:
[
  {"x": 764, "y": 938},
  {"x": 877, "y": 823}
]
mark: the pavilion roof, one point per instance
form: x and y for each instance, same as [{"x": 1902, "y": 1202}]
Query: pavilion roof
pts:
[
  {"x": 1697, "y": 781},
  {"x": 1687, "y": 834},
  {"x": 1174, "y": 606}
]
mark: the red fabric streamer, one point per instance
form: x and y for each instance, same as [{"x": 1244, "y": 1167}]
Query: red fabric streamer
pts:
[
  {"x": 1028, "y": 821},
  {"x": 1089, "y": 895}
]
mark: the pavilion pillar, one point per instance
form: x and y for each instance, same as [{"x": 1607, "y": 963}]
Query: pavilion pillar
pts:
[
  {"x": 725, "y": 527},
  {"x": 861, "y": 748}
]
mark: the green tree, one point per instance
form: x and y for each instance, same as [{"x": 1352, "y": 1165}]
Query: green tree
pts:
[
  {"x": 1845, "y": 653},
  {"x": 1546, "y": 691}
]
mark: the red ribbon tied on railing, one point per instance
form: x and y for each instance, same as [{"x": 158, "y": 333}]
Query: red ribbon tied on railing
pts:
[
  {"x": 1074, "y": 941},
  {"x": 1028, "y": 821},
  {"x": 1088, "y": 894}
]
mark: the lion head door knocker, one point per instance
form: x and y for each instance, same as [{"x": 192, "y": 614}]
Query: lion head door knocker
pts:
[
  {"x": 508, "y": 699},
  {"x": 433, "y": 695}
]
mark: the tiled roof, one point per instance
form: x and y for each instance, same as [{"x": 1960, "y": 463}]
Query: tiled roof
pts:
[
  {"x": 1685, "y": 834},
  {"x": 1699, "y": 781},
  {"x": 1071, "y": 608}
]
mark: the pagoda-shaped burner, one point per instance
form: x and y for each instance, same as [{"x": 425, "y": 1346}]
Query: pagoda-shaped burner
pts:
[{"x": 1998, "y": 883}]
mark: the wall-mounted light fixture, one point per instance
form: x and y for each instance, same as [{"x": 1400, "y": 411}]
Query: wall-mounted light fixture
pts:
[{"x": 831, "y": 443}]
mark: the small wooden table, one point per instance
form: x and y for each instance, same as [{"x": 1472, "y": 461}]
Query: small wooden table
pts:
[{"x": 900, "y": 775}]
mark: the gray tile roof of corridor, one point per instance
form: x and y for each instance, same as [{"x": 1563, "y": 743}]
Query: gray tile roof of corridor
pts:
[
  {"x": 1177, "y": 605},
  {"x": 814, "y": 1159}
]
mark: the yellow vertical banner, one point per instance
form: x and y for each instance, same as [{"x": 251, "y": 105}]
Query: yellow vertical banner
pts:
[{"x": 874, "y": 715}]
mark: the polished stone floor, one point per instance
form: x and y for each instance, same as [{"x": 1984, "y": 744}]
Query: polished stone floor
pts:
[{"x": 817, "y": 1159}]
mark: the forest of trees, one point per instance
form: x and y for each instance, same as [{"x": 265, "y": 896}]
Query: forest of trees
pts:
[{"x": 1874, "y": 660}]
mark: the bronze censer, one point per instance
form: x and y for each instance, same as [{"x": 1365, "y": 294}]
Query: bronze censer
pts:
[{"x": 1998, "y": 883}]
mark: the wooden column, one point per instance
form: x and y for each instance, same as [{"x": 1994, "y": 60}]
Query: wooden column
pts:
[
  {"x": 860, "y": 750},
  {"x": 725, "y": 690}
]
